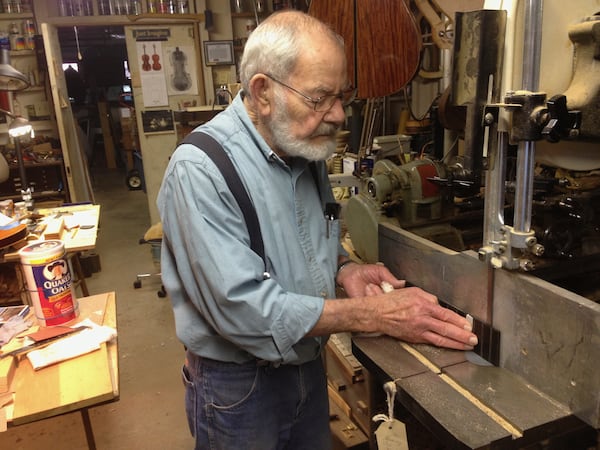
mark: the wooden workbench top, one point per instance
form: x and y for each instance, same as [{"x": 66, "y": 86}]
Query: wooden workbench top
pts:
[{"x": 70, "y": 385}]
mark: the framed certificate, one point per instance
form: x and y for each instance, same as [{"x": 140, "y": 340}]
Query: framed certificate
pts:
[{"x": 218, "y": 53}]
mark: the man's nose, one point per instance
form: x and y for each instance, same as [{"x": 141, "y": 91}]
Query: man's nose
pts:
[{"x": 337, "y": 113}]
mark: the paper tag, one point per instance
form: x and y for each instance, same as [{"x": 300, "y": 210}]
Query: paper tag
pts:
[{"x": 391, "y": 436}]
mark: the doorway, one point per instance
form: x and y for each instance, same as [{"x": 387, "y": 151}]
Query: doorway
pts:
[{"x": 98, "y": 81}]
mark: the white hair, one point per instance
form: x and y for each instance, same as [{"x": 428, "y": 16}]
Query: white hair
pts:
[{"x": 275, "y": 45}]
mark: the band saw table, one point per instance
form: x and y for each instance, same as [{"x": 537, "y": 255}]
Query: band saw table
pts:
[
  {"x": 543, "y": 385},
  {"x": 464, "y": 404}
]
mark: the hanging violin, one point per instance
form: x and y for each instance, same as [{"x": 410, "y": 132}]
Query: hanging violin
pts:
[
  {"x": 146, "y": 61},
  {"x": 155, "y": 60}
]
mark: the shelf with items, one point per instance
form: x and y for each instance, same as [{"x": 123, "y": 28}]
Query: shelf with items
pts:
[
  {"x": 117, "y": 12},
  {"x": 31, "y": 89},
  {"x": 46, "y": 181},
  {"x": 20, "y": 53},
  {"x": 35, "y": 108},
  {"x": 242, "y": 25},
  {"x": 32, "y": 103},
  {"x": 16, "y": 7},
  {"x": 43, "y": 163},
  {"x": 249, "y": 8},
  {"x": 26, "y": 63},
  {"x": 16, "y": 16},
  {"x": 44, "y": 169},
  {"x": 245, "y": 15},
  {"x": 17, "y": 33}
]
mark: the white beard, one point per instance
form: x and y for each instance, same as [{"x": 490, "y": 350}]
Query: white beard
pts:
[{"x": 280, "y": 133}]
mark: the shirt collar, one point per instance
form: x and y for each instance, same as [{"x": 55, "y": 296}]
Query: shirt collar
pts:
[{"x": 239, "y": 109}]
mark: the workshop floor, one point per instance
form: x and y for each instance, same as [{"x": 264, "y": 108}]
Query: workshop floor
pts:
[{"x": 150, "y": 412}]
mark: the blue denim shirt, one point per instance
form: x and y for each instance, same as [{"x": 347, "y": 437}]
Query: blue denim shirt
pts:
[{"x": 223, "y": 307}]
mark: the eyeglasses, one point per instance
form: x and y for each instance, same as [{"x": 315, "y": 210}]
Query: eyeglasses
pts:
[{"x": 325, "y": 102}]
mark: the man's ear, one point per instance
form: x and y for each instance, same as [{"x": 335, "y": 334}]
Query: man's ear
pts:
[{"x": 261, "y": 92}]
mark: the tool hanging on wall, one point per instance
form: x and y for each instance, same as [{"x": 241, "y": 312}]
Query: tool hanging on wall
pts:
[
  {"x": 371, "y": 127},
  {"x": 79, "y": 55}
]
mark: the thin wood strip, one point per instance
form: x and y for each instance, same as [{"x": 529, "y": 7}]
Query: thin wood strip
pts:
[{"x": 462, "y": 391}]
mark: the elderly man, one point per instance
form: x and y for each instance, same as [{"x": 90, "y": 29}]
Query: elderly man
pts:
[{"x": 253, "y": 373}]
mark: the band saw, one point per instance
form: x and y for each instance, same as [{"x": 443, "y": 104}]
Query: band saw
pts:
[{"x": 503, "y": 225}]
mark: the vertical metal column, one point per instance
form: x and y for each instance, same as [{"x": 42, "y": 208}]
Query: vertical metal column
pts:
[{"x": 526, "y": 149}]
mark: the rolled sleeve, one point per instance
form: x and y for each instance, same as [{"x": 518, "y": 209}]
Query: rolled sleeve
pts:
[{"x": 300, "y": 317}]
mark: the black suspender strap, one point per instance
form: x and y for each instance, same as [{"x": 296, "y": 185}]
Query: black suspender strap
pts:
[{"x": 215, "y": 152}]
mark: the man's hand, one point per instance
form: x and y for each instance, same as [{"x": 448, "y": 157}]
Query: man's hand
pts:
[
  {"x": 413, "y": 315},
  {"x": 360, "y": 280},
  {"x": 409, "y": 314}
]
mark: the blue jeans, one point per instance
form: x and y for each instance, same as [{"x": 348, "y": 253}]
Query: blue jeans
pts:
[{"x": 256, "y": 407}]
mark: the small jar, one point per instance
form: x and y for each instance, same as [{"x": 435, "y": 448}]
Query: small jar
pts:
[
  {"x": 183, "y": 7},
  {"x": 166, "y": 6},
  {"x": 17, "y": 42},
  {"x": 238, "y": 6},
  {"x": 29, "y": 27},
  {"x": 12, "y": 6},
  {"x": 20, "y": 210},
  {"x": 14, "y": 28},
  {"x": 65, "y": 8},
  {"x": 7, "y": 208},
  {"x": 30, "y": 45},
  {"x": 250, "y": 26},
  {"x": 135, "y": 7},
  {"x": 105, "y": 8}
]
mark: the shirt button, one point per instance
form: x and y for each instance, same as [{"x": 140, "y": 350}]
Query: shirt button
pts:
[{"x": 323, "y": 294}]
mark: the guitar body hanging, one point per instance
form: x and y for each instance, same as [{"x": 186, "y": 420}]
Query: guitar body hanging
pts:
[{"x": 383, "y": 42}]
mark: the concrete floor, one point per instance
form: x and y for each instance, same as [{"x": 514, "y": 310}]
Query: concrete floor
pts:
[{"x": 150, "y": 412}]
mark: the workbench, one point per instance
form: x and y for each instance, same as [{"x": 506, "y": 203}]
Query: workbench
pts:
[
  {"x": 72, "y": 385},
  {"x": 76, "y": 240},
  {"x": 82, "y": 237}
]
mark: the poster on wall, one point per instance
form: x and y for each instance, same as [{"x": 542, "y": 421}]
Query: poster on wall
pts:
[
  {"x": 152, "y": 73},
  {"x": 179, "y": 71}
]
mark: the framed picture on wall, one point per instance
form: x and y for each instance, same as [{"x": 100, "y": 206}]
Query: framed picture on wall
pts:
[
  {"x": 218, "y": 53},
  {"x": 159, "y": 121}
]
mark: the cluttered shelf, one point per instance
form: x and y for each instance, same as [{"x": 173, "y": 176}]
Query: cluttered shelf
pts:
[
  {"x": 25, "y": 52},
  {"x": 47, "y": 195},
  {"x": 46, "y": 180},
  {"x": 43, "y": 168},
  {"x": 16, "y": 15}
]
